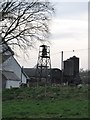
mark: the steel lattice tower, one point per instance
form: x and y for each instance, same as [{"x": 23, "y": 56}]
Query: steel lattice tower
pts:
[{"x": 43, "y": 70}]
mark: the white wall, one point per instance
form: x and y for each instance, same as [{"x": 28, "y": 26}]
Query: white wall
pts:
[
  {"x": 23, "y": 79},
  {"x": 13, "y": 84},
  {"x": 12, "y": 65}
]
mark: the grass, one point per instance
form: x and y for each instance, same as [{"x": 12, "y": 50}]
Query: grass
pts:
[
  {"x": 58, "y": 102},
  {"x": 30, "y": 109}
]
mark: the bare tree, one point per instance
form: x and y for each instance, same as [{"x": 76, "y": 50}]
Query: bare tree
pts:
[{"x": 23, "y": 23}]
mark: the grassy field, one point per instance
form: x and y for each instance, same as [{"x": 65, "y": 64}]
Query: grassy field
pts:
[{"x": 58, "y": 102}]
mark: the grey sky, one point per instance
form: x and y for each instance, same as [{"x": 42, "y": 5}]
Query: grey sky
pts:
[
  {"x": 69, "y": 31},
  {"x": 66, "y": 9}
]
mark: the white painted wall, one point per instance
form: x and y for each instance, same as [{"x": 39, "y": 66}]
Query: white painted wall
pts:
[
  {"x": 13, "y": 84},
  {"x": 12, "y": 65}
]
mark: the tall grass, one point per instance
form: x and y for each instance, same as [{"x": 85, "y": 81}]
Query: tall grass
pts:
[{"x": 58, "y": 102}]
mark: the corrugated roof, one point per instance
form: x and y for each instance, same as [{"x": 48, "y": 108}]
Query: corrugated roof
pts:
[{"x": 10, "y": 75}]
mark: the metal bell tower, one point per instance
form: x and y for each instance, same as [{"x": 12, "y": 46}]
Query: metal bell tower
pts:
[{"x": 43, "y": 70}]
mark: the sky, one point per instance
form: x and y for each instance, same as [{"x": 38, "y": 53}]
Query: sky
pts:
[{"x": 69, "y": 31}]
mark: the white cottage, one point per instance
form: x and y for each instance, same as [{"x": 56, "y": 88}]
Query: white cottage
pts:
[
  {"x": 10, "y": 80},
  {"x": 11, "y": 64},
  {"x": 12, "y": 73}
]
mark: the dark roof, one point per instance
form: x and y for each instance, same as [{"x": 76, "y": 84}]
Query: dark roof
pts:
[
  {"x": 56, "y": 69},
  {"x": 72, "y": 58},
  {"x": 10, "y": 75},
  {"x": 5, "y": 57},
  {"x": 43, "y": 46},
  {"x": 31, "y": 72},
  {"x": 6, "y": 48}
]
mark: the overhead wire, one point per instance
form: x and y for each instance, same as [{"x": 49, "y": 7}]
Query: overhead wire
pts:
[
  {"x": 74, "y": 50},
  {"x": 70, "y": 51}
]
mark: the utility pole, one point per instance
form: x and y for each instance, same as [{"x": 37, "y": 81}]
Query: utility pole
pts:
[
  {"x": 62, "y": 66},
  {"x": 62, "y": 60}
]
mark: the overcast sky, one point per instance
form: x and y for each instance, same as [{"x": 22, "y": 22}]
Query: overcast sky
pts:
[{"x": 69, "y": 31}]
